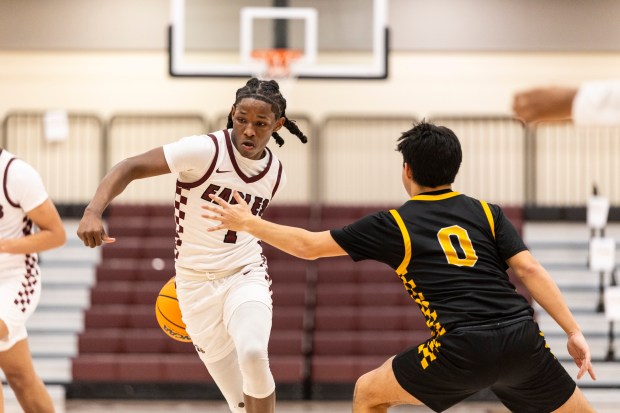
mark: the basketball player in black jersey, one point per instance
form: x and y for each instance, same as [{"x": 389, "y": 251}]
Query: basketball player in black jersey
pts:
[{"x": 451, "y": 253}]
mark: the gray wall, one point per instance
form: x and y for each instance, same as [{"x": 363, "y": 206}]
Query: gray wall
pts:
[
  {"x": 416, "y": 25},
  {"x": 505, "y": 25}
]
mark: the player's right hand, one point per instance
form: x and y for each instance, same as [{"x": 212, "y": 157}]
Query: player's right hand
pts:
[{"x": 91, "y": 231}]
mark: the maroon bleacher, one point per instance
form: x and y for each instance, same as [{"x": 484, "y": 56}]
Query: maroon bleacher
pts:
[
  {"x": 122, "y": 342},
  {"x": 363, "y": 316},
  {"x": 333, "y": 319}
]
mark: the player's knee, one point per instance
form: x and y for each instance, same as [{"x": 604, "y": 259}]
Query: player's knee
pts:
[
  {"x": 252, "y": 356},
  {"x": 364, "y": 389},
  {"x": 257, "y": 378}
]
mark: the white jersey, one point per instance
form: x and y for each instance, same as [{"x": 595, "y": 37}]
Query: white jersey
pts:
[
  {"x": 22, "y": 191},
  {"x": 210, "y": 164},
  {"x": 597, "y": 103}
]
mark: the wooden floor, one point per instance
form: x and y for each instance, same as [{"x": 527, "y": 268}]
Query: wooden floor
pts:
[
  {"x": 561, "y": 248},
  {"x": 604, "y": 401},
  {"x": 284, "y": 407},
  {"x": 84, "y": 406}
]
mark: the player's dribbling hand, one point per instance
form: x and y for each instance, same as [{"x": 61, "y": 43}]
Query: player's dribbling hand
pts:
[
  {"x": 233, "y": 217},
  {"x": 91, "y": 231},
  {"x": 580, "y": 352}
]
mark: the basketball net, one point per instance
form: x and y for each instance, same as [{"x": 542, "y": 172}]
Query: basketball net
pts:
[{"x": 277, "y": 66}]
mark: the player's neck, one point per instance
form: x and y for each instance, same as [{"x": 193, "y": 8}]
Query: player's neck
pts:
[{"x": 417, "y": 189}]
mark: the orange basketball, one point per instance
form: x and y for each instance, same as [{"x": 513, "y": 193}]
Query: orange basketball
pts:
[{"x": 168, "y": 313}]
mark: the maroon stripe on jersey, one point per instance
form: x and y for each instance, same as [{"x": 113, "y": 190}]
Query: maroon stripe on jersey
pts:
[
  {"x": 189, "y": 185},
  {"x": 6, "y": 192},
  {"x": 231, "y": 153},
  {"x": 275, "y": 187}
]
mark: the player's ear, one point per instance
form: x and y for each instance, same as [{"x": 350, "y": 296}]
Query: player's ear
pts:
[
  {"x": 232, "y": 110},
  {"x": 408, "y": 170},
  {"x": 279, "y": 124}
]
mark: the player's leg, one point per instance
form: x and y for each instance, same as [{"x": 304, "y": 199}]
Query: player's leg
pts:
[
  {"x": 378, "y": 390},
  {"x": 30, "y": 391},
  {"x": 227, "y": 376},
  {"x": 577, "y": 403},
  {"x": 531, "y": 378},
  {"x": 250, "y": 327},
  {"x": 201, "y": 304}
]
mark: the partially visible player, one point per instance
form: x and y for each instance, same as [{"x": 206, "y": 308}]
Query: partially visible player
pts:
[
  {"x": 592, "y": 103},
  {"x": 24, "y": 204},
  {"x": 451, "y": 252},
  {"x": 221, "y": 277}
]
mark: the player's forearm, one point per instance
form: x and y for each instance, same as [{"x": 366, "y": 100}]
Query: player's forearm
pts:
[
  {"x": 112, "y": 185},
  {"x": 292, "y": 240},
  {"x": 546, "y": 293},
  {"x": 41, "y": 241},
  {"x": 540, "y": 104}
]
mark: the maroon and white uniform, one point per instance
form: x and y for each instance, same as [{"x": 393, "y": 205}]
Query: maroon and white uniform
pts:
[
  {"x": 217, "y": 271},
  {"x": 597, "y": 103},
  {"x": 20, "y": 283}
]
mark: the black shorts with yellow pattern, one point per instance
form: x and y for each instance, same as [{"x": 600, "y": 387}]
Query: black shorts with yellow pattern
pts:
[{"x": 511, "y": 358}]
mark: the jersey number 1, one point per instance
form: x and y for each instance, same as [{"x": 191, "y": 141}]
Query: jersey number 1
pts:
[
  {"x": 446, "y": 236},
  {"x": 230, "y": 237}
]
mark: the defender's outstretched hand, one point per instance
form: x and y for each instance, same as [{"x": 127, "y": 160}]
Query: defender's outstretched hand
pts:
[{"x": 235, "y": 217}]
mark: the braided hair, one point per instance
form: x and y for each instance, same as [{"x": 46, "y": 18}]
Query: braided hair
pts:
[{"x": 269, "y": 92}]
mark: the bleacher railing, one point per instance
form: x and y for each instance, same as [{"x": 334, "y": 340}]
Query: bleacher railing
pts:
[
  {"x": 494, "y": 157},
  {"x": 348, "y": 159},
  {"x": 132, "y": 134},
  {"x": 71, "y": 166},
  {"x": 570, "y": 159}
]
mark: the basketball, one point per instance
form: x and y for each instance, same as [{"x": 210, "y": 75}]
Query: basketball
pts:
[{"x": 168, "y": 313}]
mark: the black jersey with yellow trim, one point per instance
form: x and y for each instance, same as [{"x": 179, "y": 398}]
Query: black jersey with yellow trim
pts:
[{"x": 450, "y": 251}]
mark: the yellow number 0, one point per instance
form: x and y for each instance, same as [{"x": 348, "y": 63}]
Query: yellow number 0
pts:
[{"x": 446, "y": 244}]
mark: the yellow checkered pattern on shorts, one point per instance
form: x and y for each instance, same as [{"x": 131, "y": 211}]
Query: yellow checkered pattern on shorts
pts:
[{"x": 430, "y": 348}]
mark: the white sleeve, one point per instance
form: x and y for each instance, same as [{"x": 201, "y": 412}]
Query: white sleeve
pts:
[
  {"x": 25, "y": 186},
  {"x": 192, "y": 153},
  {"x": 597, "y": 103}
]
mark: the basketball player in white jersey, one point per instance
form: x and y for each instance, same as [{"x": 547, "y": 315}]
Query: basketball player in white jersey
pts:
[
  {"x": 23, "y": 204},
  {"x": 221, "y": 277}
]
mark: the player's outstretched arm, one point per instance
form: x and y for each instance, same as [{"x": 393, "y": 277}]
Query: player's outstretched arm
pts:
[
  {"x": 546, "y": 293},
  {"x": 544, "y": 103},
  {"x": 292, "y": 240},
  {"x": 151, "y": 163}
]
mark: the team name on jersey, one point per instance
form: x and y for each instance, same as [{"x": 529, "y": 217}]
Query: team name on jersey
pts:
[{"x": 258, "y": 205}]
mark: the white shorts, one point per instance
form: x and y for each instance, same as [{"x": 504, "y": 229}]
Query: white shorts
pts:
[
  {"x": 207, "y": 305},
  {"x": 19, "y": 297}
]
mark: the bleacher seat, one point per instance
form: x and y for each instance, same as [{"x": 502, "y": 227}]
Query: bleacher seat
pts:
[
  {"x": 363, "y": 316},
  {"x": 122, "y": 341},
  {"x": 333, "y": 319}
]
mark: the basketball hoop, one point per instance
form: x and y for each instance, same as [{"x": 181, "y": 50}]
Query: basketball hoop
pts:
[{"x": 278, "y": 62}]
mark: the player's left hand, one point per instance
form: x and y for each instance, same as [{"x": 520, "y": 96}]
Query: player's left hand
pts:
[
  {"x": 580, "y": 352},
  {"x": 233, "y": 217}
]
